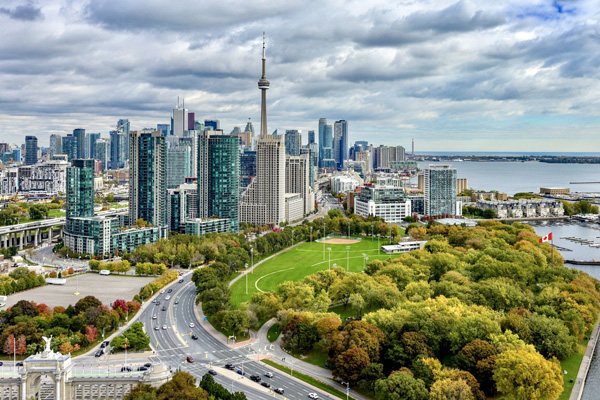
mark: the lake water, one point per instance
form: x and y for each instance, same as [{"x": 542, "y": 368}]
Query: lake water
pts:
[
  {"x": 579, "y": 252},
  {"x": 514, "y": 177}
]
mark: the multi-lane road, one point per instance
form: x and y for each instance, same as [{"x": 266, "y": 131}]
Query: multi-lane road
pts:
[{"x": 174, "y": 344}]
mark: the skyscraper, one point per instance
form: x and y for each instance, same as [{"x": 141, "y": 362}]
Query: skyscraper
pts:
[
  {"x": 191, "y": 121},
  {"x": 79, "y": 135},
  {"x": 164, "y": 128},
  {"x": 311, "y": 137},
  {"x": 179, "y": 120},
  {"x": 80, "y": 189},
  {"x": 147, "y": 177},
  {"x": 249, "y": 127},
  {"x": 263, "y": 85},
  {"x": 102, "y": 153},
  {"x": 293, "y": 142},
  {"x": 219, "y": 176},
  {"x": 440, "y": 190},
  {"x": 325, "y": 143},
  {"x": 341, "y": 132},
  {"x": 117, "y": 149},
  {"x": 31, "y": 148},
  {"x": 212, "y": 124},
  {"x": 191, "y": 141},
  {"x": 69, "y": 146},
  {"x": 55, "y": 144},
  {"x": 178, "y": 165},
  {"x": 91, "y": 139},
  {"x": 123, "y": 126},
  {"x": 297, "y": 180},
  {"x": 247, "y": 168}
]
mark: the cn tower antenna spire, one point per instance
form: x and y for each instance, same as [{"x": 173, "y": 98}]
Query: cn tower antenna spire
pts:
[{"x": 263, "y": 85}]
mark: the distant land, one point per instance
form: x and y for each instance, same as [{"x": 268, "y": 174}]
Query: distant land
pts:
[
  {"x": 554, "y": 158},
  {"x": 506, "y": 153}
]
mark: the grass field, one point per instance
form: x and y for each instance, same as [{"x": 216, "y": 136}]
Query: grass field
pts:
[
  {"x": 571, "y": 365},
  {"x": 303, "y": 260}
]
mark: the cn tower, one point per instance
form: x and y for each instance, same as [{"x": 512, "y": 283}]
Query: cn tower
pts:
[{"x": 263, "y": 85}]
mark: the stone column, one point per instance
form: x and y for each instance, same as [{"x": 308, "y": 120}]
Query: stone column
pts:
[
  {"x": 50, "y": 235},
  {"x": 23, "y": 386},
  {"x": 57, "y": 385},
  {"x": 35, "y": 237},
  {"x": 22, "y": 239}
]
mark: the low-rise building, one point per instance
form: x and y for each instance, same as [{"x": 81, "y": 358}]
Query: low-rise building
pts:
[
  {"x": 294, "y": 207},
  {"x": 404, "y": 247},
  {"x": 554, "y": 191},
  {"x": 523, "y": 208}
]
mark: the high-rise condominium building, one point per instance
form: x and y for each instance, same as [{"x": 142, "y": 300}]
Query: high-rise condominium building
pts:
[
  {"x": 69, "y": 146},
  {"x": 91, "y": 146},
  {"x": 212, "y": 124},
  {"x": 387, "y": 202},
  {"x": 440, "y": 190},
  {"x": 117, "y": 149},
  {"x": 219, "y": 177},
  {"x": 31, "y": 149},
  {"x": 325, "y": 143},
  {"x": 247, "y": 168},
  {"x": 147, "y": 177},
  {"x": 297, "y": 180},
  {"x": 293, "y": 142},
  {"x": 55, "y": 144},
  {"x": 79, "y": 135},
  {"x": 178, "y": 165},
  {"x": 164, "y": 128},
  {"x": 264, "y": 200},
  {"x": 102, "y": 153},
  {"x": 179, "y": 120},
  {"x": 311, "y": 137},
  {"x": 341, "y": 142},
  {"x": 80, "y": 189}
]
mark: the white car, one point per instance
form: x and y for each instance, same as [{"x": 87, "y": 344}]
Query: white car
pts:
[
  {"x": 2, "y": 304},
  {"x": 192, "y": 325},
  {"x": 162, "y": 291},
  {"x": 164, "y": 327},
  {"x": 154, "y": 317},
  {"x": 167, "y": 298},
  {"x": 313, "y": 395}
]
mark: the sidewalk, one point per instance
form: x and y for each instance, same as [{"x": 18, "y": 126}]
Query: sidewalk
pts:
[{"x": 579, "y": 385}]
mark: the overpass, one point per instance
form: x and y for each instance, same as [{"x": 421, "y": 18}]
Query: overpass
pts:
[{"x": 37, "y": 232}]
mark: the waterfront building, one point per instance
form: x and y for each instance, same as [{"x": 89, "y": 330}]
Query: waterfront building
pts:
[
  {"x": 293, "y": 142},
  {"x": 523, "y": 208},
  {"x": 218, "y": 176},
  {"x": 31, "y": 150},
  {"x": 147, "y": 178},
  {"x": 440, "y": 190},
  {"x": 387, "y": 202},
  {"x": 553, "y": 191}
]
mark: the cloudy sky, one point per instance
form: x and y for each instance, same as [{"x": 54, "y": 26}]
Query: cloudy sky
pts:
[{"x": 511, "y": 75}]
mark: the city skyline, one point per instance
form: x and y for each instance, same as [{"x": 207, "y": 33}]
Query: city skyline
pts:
[{"x": 455, "y": 75}]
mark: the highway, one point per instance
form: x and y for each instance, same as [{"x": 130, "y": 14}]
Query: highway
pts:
[{"x": 174, "y": 344}]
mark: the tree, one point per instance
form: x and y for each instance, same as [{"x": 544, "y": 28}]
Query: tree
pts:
[
  {"x": 368, "y": 376},
  {"x": 182, "y": 386},
  {"x": 350, "y": 363},
  {"x": 120, "y": 304},
  {"x": 141, "y": 391},
  {"x": 551, "y": 337},
  {"x": 401, "y": 386},
  {"x": 21, "y": 345},
  {"x": 236, "y": 321},
  {"x": 66, "y": 348},
  {"x": 524, "y": 375},
  {"x": 24, "y": 307},
  {"x": 326, "y": 326},
  {"x": 447, "y": 389},
  {"x": 92, "y": 333},
  {"x": 86, "y": 303},
  {"x": 9, "y": 344}
]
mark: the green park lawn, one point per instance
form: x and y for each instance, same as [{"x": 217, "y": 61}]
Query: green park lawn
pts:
[
  {"x": 303, "y": 260},
  {"x": 571, "y": 365}
]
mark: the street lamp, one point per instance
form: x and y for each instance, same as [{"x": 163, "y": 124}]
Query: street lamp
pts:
[
  {"x": 310, "y": 237},
  {"x": 347, "y": 388},
  {"x": 246, "y": 266},
  {"x": 329, "y": 249},
  {"x": 372, "y": 237},
  {"x": 348, "y": 258},
  {"x": 364, "y": 261},
  {"x": 252, "y": 259},
  {"x": 378, "y": 236}
]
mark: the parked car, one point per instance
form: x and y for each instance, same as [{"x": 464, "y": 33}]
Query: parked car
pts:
[
  {"x": 212, "y": 372},
  {"x": 279, "y": 390}
]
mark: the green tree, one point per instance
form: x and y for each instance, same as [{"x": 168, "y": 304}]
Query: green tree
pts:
[
  {"x": 525, "y": 375},
  {"x": 236, "y": 321},
  {"x": 182, "y": 386},
  {"x": 447, "y": 389},
  {"x": 141, "y": 391},
  {"x": 86, "y": 303},
  {"x": 401, "y": 386}
]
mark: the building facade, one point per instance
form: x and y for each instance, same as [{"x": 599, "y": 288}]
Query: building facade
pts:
[
  {"x": 31, "y": 150},
  {"x": 387, "y": 202},
  {"x": 440, "y": 190}
]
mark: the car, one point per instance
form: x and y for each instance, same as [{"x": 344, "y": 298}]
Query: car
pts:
[
  {"x": 181, "y": 281},
  {"x": 104, "y": 344},
  {"x": 255, "y": 378},
  {"x": 164, "y": 308},
  {"x": 142, "y": 368},
  {"x": 2, "y": 304},
  {"x": 279, "y": 390},
  {"x": 126, "y": 369},
  {"x": 168, "y": 297},
  {"x": 192, "y": 325},
  {"x": 169, "y": 291},
  {"x": 194, "y": 337},
  {"x": 190, "y": 359},
  {"x": 176, "y": 301},
  {"x": 266, "y": 384},
  {"x": 212, "y": 372},
  {"x": 156, "y": 328},
  {"x": 269, "y": 374},
  {"x": 229, "y": 367},
  {"x": 1, "y": 363},
  {"x": 154, "y": 317},
  {"x": 313, "y": 395},
  {"x": 239, "y": 371},
  {"x": 148, "y": 365},
  {"x": 19, "y": 364},
  {"x": 99, "y": 353},
  {"x": 164, "y": 327},
  {"x": 162, "y": 291},
  {"x": 157, "y": 303}
]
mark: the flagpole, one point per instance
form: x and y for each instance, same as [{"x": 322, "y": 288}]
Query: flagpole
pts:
[{"x": 552, "y": 248}]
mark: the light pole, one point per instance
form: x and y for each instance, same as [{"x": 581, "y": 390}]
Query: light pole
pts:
[
  {"x": 348, "y": 258},
  {"x": 292, "y": 238},
  {"x": 246, "y": 266},
  {"x": 372, "y": 237},
  {"x": 390, "y": 233},
  {"x": 329, "y": 249},
  {"x": 378, "y": 236},
  {"x": 310, "y": 237},
  {"x": 252, "y": 259},
  {"x": 347, "y": 388},
  {"x": 364, "y": 261}
]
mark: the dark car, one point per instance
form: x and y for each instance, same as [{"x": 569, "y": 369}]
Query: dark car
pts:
[
  {"x": 1, "y": 363},
  {"x": 157, "y": 303},
  {"x": 104, "y": 344},
  {"x": 148, "y": 365},
  {"x": 99, "y": 353},
  {"x": 181, "y": 281},
  {"x": 164, "y": 308},
  {"x": 170, "y": 290},
  {"x": 279, "y": 390},
  {"x": 195, "y": 337},
  {"x": 19, "y": 364},
  {"x": 190, "y": 359},
  {"x": 229, "y": 366},
  {"x": 125, "y": 369},
  {"x": 266, "y": 384},
  {"x": 176, "y": 301},
  {"x": 255, "y": 378},
  {"x": 142, "y": 368},
  {"x": 239, "y": 371},
  {"x": 212, "y": 372}
]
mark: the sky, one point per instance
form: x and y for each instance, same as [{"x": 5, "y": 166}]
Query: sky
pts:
[{"x": 480, "y": 75}]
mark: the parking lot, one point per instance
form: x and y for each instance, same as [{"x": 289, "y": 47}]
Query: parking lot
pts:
[{"x": 107, "y": 288}]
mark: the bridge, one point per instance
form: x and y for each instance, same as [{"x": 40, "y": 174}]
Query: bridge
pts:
[{"x": 37, "y": 232}]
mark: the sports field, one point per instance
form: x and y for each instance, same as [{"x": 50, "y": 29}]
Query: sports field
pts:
[{"x": 303, "y": 260}]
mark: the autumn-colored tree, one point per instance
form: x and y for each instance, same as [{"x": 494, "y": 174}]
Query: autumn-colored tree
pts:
[
  {"x": 120, "y": 304},
  {"x": 71, "y": 271},
  {"x": 350, "y": 363},
  {"x": 327, "y": 326},
  {"x": 21, "y": 345},
  {"x": 9, "y": 344},
  {"x": 447, "y": 389},
  {"x": 66, "y": 348},
  {"x": 92, "y": 333},
  {"x": 182, "y": 386},
  {"x": 59, "y": 310},
  {"x": 524, "y": 375},
  {"x": 43, "y": 309},
  {"x": 360, "y": 334}
]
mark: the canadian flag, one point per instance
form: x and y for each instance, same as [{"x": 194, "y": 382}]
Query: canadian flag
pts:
[{"x": 546, "y": 238}]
